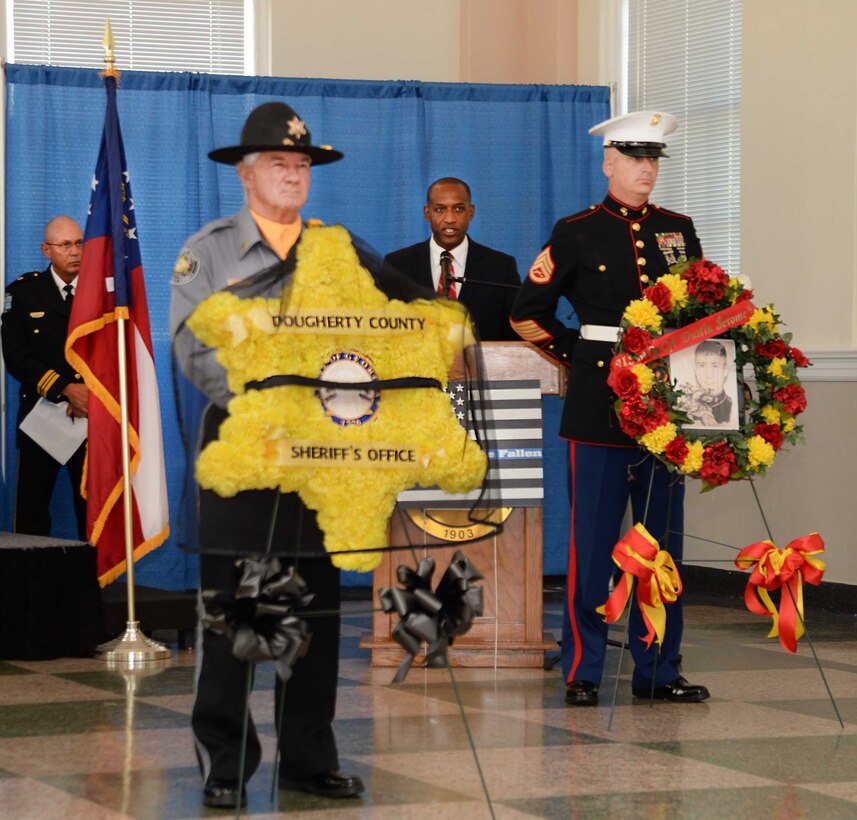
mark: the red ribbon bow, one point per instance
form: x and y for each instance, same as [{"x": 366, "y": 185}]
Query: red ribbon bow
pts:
[
  {"x": 775, "y": 568},
  {"x": 658, "y": 582}
]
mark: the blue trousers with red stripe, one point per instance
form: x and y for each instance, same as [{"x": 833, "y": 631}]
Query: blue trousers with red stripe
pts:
[{"x": 602, "y": 481}]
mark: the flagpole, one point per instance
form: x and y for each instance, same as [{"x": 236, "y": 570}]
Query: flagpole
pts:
[{"x": 132, "y": 648}]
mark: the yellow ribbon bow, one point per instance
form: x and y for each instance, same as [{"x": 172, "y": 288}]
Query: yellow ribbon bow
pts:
[
  {"x": 638, "y": 555},
  {"x": 774, "y": 568}
]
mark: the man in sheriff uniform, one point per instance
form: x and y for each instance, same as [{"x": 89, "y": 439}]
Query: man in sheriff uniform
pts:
[
  {"x": 273, "y": 161},
  {"x": 35, "y": 326},
  {"x": 600, "y": 260}
]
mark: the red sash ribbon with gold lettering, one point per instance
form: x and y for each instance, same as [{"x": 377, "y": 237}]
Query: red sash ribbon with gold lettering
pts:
[
  {"x": 638, "y": 555},
  {"x": 700, "y": 330},
  {"x": 774, "y": 568}
]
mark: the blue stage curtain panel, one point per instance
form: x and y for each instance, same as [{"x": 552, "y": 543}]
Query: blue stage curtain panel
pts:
[{"x": 524, "y": 150}]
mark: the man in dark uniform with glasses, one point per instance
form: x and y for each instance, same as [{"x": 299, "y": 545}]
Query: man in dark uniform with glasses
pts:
[{"x": 34, "y": 329}]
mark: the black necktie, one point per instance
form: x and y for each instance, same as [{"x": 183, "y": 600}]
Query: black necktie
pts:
[{"x": 69, "y": 296}]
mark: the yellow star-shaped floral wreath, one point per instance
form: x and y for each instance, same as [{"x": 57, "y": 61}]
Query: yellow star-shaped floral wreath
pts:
[{"x": 348, "y": 470}]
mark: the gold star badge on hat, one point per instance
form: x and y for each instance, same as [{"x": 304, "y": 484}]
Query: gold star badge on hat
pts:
[{"x": 296, "y": 127}]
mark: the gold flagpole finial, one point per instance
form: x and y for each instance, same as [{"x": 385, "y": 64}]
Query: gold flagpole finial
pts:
[{"x": 109, "y": 47}]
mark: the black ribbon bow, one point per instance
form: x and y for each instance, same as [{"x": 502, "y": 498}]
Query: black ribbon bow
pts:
[
  {"x": 259, "y": 616},
  {"x": 435, "y": 618}
]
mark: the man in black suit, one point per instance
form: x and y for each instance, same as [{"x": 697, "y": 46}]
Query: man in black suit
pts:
[
  {"x": 34, "y": 330},
  {"x": 485, "y": 280}
]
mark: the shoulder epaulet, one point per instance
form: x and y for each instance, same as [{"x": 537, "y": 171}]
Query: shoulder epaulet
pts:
[
  {"x": 667, "y": 211},
  {"x": 29, "y": 276},
  {"x": 212, "y": 227},
  {"x": 582, "y": 214}
]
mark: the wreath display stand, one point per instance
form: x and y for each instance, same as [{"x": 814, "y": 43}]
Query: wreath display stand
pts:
[{"x": 700, "y": 302}]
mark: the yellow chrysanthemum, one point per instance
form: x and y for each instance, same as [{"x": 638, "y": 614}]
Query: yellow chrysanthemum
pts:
[
  {"x": 284, "y": 437},
  {"x": 642, "y": 313},
  {"x": 693, "y": 462},
  {"x": 788, "y": 422},
  {"x": 645, "y": 377},
  {"x": 656, "y": 440},
  {"x": 762, "y": 316},
  {"x": 677, "y": 287},
  {"x": 775, "y": 368},
  {"x": 770, "y": 414},
  {"x": 759, "y": 452}
]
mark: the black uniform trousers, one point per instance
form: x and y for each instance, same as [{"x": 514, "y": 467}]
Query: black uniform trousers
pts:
[
  {"x": 229, "y": 528},
  {"x": 37, "y": 476}
]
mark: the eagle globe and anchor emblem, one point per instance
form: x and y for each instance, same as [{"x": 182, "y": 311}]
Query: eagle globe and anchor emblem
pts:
[{"x": 357, "y": 407}]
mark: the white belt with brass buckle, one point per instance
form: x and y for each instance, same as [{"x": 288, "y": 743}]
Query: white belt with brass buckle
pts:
[{"x": 600, "y": 333}]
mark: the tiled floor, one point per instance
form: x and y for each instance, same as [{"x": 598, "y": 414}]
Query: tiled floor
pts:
[{"x": 78, "y": 741}]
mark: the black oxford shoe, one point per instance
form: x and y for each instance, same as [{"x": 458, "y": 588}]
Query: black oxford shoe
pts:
[
  {"x": 325, "y": 784},
  {"x": 581, "y": 693},
  {"x": 679, "y": 691},
  {"x": 223, "y": 794}
]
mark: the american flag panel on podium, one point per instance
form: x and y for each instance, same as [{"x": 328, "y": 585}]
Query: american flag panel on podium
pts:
[{"x": 510, "y": 413}]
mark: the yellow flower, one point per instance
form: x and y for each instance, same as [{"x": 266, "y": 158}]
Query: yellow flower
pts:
[
  {"x": 677, "y": 287},
  {"x": 656, "y": 440},
  {"x": 762, "y": 316},
  {"x": 645, "y": 377},
  {"x": 642, "y": 313},
  {"x": 775, "y": 368},
  {"x": 693, "y": 462},
  {"x": 788, "y": 422},
  {"x": 286, "y": 438},
  {"x": 770, "y": 414},
  {"x": 759, "y": 452}
]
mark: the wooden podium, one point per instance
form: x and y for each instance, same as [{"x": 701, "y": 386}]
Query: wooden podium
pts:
[{"x": 510, "y": 633}]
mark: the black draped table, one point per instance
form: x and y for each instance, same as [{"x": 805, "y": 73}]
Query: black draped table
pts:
[{"x": 50, "y": 601}]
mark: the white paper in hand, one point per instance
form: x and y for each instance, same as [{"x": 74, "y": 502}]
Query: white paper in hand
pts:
[{"x": 56, "y": 433}]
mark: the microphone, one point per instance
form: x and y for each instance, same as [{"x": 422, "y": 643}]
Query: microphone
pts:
[{"x": 446, "y": 277}]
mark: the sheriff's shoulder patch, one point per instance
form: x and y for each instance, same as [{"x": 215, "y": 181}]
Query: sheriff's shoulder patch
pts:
[
  {"x": 7, "y": 302},
  {"x": 186, "y": 267},
  {"x": 543, "y": 268}
]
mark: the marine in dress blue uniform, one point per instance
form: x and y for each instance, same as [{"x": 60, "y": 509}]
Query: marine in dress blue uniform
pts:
[{"x": 601, "y": 259}]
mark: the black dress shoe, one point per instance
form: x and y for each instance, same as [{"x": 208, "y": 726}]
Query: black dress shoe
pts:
[
  {"x": 581, "y": 693},
  {"x": 223, "y": 794},
  {"x": 679, "y": 691},
  {"x": 325, "y": 784}
]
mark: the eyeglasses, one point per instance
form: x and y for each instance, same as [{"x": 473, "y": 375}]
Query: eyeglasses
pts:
[{"x": 66, "y": 246}]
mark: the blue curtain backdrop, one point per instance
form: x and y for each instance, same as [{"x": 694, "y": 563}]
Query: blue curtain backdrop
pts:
[{"x": 523, "y": 149}]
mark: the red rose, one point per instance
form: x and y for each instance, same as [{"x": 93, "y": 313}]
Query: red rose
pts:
[
  {"x": 659, "y": 295},
  {"x": 771, "y": 433},
  {"x": 705, "y": 281},
  {"x": 676, "y": 451},
  {"x": 632, "y": 417},
  {"x": 792, "y": 397},
  {"x": 625, "y": 383},
  {"x": 797, "y": 357},
  {"x": 775, "y": 349},
  {"x": 636, "y": 340},
  {"x": 657, "y": 416},
  {"x": 744, "y": 296},
  {"x": 718, "y": 463}
]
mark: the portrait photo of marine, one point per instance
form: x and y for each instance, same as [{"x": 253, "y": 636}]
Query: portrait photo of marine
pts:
[{"x": 707, "y": 378}]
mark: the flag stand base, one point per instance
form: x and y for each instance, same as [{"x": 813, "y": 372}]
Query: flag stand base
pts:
[{"x": 132, "y": 649}]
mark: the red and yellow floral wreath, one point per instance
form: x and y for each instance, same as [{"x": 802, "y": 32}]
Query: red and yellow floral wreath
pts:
[{"x": 703, "y": 301}]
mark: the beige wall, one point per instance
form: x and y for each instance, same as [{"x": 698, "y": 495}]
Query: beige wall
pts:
[
  {"x": 481, "y": 41},
  {"x": 799, "y": 246},
  {"x": 799, "y": 191}
]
